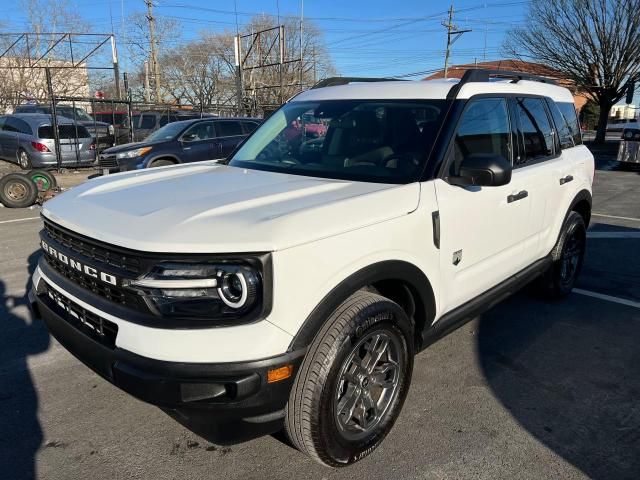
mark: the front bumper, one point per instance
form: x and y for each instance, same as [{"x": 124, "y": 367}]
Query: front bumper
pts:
[{"x": 223, "y": 402}]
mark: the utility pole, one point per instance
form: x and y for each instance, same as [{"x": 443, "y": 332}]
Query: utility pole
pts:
[
  {"x": 147, "y": 99},
  {"x": 453, "y": 34},
  {"x": 237, "y": 43},
  {"x": 154, "y": 52}
]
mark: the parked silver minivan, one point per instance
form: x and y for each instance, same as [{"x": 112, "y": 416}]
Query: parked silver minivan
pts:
[{"x": 28, "y": 140}]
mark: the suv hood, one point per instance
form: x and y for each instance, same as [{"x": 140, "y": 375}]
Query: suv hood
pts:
[
  {"x": 209, "y": 208},
  {"x": 125, "y": 147}
]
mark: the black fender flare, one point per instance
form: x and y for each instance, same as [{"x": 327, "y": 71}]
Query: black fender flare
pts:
[
  {"x": 396, "y": 270},
  {"x": 580, "y": 196}
]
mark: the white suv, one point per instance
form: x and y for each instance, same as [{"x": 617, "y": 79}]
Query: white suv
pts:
[{"x": 292, "y": 286}]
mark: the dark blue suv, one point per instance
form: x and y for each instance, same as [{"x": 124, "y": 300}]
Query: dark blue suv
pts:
[{"x": 206, "y": 138}]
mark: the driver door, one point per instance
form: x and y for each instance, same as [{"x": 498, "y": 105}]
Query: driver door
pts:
[
  {"x": 483, "y": 228},
  {"x": 198, "y": 143}
]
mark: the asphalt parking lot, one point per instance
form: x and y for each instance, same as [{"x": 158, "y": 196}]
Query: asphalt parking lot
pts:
[{"x": 530, "y": 390}]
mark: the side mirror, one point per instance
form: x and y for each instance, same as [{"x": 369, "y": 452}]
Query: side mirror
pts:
[
  {"x": 483, "y": 169},
  {"x": 190, "y": 137}
]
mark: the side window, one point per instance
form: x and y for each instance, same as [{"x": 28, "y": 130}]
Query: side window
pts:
[
  {"x": 249, "y": 126},
  {"x": 199, "y": 131},
  {"x": 483, "y": 128},
  {"x": 16, "y": 125},
  {"x": 148, "y": 121},
  {"x": 562, "y": 127},
  {"x": 535, "y": 129},
  {"x": 2, "y": 120},
  {"x": 228, "y": 129},
  {"x": 568, "y": 111}
]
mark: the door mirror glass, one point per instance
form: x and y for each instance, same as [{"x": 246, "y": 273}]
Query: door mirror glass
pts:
[{"x": 483, "y": 169}]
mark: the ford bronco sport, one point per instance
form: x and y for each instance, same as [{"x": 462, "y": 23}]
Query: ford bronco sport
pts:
[{"x": 291, "y": 287}]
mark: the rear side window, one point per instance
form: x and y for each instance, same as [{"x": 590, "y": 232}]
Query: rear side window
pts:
[
  {"x": 483, "y": 128},
  {"x": 565, "y": 135},
  {"x": 16, "y": 125},
  {"x": 535, "y": 130},
  {"x": 568, "y": 111},
  {"x": 228, "y": 129},
  {"x": 148, "y": 121},
  {"x": 66, "y": 132}
]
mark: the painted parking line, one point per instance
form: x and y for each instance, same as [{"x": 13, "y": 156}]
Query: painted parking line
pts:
[
  {"x": 19, "y": 220},
  {"x": 613, "y": 234},
  {"x": 616, "y": 217},
  {"x": 608, "y": 298}
]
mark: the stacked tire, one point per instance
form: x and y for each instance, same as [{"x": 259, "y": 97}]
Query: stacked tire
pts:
[{"x": 20, "y": 190}]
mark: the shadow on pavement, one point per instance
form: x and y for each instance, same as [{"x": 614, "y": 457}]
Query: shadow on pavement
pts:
[
  {"x": 20, "y": 431},
  {"x": 569, "y": 372}
]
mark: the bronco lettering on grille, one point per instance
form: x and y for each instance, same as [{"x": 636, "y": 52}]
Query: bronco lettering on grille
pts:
[{"x": 76, "y": 265}]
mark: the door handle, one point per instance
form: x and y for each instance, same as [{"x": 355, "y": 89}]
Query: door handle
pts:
[
  {"x": 517, "y": 196},
  {"x": 566, "y": 179}
]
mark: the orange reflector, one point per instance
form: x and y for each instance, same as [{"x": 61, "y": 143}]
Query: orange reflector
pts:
[{"x": 280, "y": 373}]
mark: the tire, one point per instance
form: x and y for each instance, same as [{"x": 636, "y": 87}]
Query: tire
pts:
[
  {"x": 23, "y": 159},
  {"x": 318, "y": 421},
  {"x": 568, "y": 255},
  {"x": 17, "y": 191},
  {"x": 161, "y": 163},
  {"x": 43, "y": 180}
]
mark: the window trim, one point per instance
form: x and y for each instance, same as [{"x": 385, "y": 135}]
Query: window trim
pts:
[{"x": 448, "y": 154}]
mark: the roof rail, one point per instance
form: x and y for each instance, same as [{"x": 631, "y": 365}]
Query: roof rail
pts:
[
  {"x": 335, "y": 81},
  {"x": 484, "y": 75}
]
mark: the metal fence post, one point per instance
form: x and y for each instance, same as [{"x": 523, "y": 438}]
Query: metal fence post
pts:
[{"x": 54, "y": 120}]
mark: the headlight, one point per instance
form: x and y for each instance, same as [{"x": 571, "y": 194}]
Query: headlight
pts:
[
  {"x": 201, "y": 290},
  {"x": 111, "y": 130},
  {"x": 138, "y": 152}
]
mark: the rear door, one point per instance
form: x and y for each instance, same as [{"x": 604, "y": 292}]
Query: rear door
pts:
[
  {"x": 11, "y": 139},
  {"x": 482, "y": 228},
  {"x": 538, "y": 156},
  {"x": 230, "y": 134}
]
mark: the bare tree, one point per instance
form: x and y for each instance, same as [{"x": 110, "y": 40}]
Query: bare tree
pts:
[{"x": 595, "y": 43}]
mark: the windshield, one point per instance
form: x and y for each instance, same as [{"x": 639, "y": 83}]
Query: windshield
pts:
[
  {"x": 73, "y": 113},
  {"x": 168, "y": 132},
  {"x": 364, "y": 140}
]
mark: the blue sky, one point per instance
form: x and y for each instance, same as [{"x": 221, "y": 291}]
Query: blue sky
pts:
[{"x": 365, "y": 38}]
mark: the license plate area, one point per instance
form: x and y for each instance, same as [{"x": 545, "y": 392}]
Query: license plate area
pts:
[{"x": 94, "y": 326}]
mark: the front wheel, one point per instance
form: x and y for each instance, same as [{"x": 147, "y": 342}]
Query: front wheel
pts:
[
  {"x": 568, "y": 255},
  {"x": 353, "y": 382}
]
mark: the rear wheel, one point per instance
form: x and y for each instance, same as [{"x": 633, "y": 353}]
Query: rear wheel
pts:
[
  {"x": 23, "y": 160},
  {"x": 17, "y": 191},
  {"x": 568, "y": 256},
  {"x": 353, "y": 381},
  {"x": 43, "y": 180}
]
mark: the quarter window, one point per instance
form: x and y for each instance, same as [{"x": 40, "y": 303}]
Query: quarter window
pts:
[
  {"x": 535, "y": 129},
  {"x": 483, "y": 128}
]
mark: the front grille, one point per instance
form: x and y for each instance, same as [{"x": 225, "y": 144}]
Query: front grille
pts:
[
  {"x": 96, "y": 327},
  {"x": 112, "y": 293},
  {"x": 92, "y": 249},
  {"x": 108, "y": 161}
]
